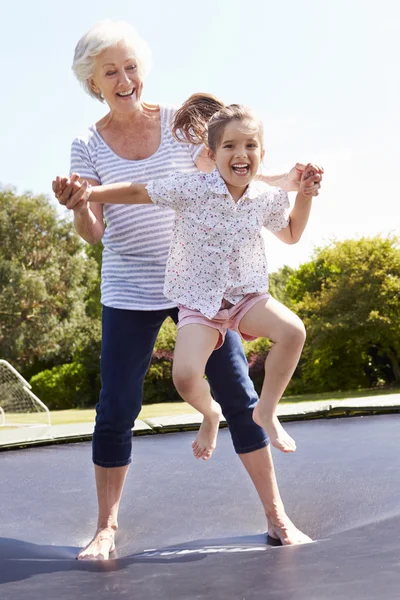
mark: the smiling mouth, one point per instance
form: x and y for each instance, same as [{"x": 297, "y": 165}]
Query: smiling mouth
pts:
[
  {"x": 241, "y": 169},
  {"x": 125, "y": 94}
]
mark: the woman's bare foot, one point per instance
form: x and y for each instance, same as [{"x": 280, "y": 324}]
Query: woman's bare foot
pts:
[
  {"x": 100, "y": 547},
  {"x": 279, "y": 438},
  {"x": 287, "y": 533},
  {"x": 206, "y": 440}
]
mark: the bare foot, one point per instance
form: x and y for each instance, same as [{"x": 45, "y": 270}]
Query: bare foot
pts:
[
  {"x": 287, "y": 533},
  {"x": 279, "y": 438},
  {"x": 100, "y": 547},
  {"x": 206, "y": 440}
]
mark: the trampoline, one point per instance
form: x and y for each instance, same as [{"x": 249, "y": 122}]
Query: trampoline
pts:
[{"x": 195, "y": 530}]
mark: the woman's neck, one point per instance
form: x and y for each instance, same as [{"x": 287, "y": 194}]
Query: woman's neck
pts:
[{"x": 128, "y": 121}]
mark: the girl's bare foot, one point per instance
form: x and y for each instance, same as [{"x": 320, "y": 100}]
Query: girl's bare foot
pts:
[
  {"x": 100, "y": 547},
  {"x": 206, "y": 439},
  {"x": 279, "y": 438},
  {"x": 287, "y": 533}
]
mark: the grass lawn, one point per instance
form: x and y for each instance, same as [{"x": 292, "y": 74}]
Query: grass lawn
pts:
[{"x": 64, "y": 417}]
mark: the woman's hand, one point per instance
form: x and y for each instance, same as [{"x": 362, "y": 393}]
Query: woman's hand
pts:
[
  {"x": 71, "y": 193},
  {"x": 294, "y": 177},
  {"x": 310, "y": 180}
]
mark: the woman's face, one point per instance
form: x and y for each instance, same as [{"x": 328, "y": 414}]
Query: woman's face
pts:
[{"x": 116, "y": 77}]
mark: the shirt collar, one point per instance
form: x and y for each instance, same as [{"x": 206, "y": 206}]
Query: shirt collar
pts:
[{"x": 218, "y": 186}]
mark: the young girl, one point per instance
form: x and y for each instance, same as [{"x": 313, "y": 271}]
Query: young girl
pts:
[{"x": 217, "y": 269}]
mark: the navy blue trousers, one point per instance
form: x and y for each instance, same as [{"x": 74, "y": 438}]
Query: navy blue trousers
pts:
[{"x": 127, "y": 344}]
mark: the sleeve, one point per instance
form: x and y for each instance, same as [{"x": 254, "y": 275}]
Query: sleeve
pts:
[
  {"x": 81, "y": 162},
  {"x": 170, "y": 192},
  {"x": 195, "y": 151},
  {"x": 276, "y": 216}
]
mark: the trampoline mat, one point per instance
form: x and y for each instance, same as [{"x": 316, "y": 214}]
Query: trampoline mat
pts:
[{"x": 195, "y": 530}]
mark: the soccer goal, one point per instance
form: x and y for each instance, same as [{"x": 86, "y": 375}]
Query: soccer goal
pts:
[{"x": 19, "y": 407}]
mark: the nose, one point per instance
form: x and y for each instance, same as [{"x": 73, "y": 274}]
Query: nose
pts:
[
  {"x": 123, "y": 77},
  {"x": 240, "y": 152}
]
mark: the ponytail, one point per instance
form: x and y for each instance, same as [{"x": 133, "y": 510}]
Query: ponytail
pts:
[{"x": 191, "y": 120}]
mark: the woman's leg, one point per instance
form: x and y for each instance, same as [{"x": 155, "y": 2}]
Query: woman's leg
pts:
[
  {"x": 128, "y": 339},
  {"x": 272, "y": 320},
  {"x": 260, "y": 467},
  {"x": 228, "y": 373},
  {"x": 194, "y": 344}
]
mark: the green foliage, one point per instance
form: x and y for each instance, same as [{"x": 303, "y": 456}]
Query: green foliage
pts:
[
  {"x": 44, "y": 278},
  {"x": 62, "y": 387},
  {"x": 278, "y": 284},
  {"x": 93, "y": 305},
  {"x": 348, "y": 297},
  {"x": 166, "y": 337},
  {"x": 256, "y": 353},
  {"x": 158, "y": 385}
]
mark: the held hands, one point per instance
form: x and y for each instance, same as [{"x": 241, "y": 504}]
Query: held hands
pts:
[
  {"x": 71, "y": 193},
  {"x": 310, "y": 181},
  {"x": 309, "y": 175}
]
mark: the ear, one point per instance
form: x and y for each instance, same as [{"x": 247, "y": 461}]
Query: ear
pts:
[
  {"x": 211, "y": 155},
  {"x": 93, "y": 85},
  {"x": 262, "y": 154}
]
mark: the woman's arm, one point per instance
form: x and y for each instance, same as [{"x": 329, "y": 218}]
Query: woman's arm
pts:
[
  {"x": 290, "y": 181},
  {"x": 88, "y": 218},
  {"x": 309, "y": 186}
]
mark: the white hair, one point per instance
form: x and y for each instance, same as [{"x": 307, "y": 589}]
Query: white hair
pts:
[{"x": 101, "y": 36}]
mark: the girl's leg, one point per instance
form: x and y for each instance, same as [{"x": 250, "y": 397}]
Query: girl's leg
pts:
[
  {"x": 128, "y": 339},
  {"x": 273, "y": 320},
  {"x": 228, "y": 373},
  {"x": 194, "y": 344}
]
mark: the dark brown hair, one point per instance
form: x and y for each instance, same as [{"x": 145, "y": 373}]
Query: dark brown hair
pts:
[{"x": 203, "y": 117}]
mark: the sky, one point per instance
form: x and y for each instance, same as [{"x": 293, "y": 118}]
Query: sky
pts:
[{"x": 323, "y": 75}]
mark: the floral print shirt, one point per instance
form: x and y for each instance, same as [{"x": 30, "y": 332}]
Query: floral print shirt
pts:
[{"x": 217, "y": 249}]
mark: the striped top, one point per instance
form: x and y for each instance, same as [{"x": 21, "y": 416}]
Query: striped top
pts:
[{"x": 137, "y": 237}]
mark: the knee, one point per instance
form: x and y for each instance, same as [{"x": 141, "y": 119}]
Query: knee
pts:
[
  {"x": 299, "y": 333},
  {"x": 295, "y": 335},
  {"x": 185, "y": 377}
]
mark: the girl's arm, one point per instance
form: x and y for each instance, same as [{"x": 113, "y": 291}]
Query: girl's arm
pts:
[
  {"x": 302, "y": 206},
  {"x": 119, "y": 193},
  {"x": 80, "y": 191}
]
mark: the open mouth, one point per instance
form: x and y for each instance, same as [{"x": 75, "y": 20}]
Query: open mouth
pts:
[
  {"x": 241, "y": 169},
  {"x": 126, "y": 94}
]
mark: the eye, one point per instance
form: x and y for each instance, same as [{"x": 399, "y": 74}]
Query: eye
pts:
[
  {"x": 110, "y": 73},
  {"x": 228, "y": 146},
  {"x": 131, "y": 68}
]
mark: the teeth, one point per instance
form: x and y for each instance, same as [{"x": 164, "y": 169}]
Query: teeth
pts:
[
  {"x": 125, "y": 93},
  {"x": 240, "y": 166}
]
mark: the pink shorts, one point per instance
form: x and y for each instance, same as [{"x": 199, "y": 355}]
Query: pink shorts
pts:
[{"x": 228, "y": 317}]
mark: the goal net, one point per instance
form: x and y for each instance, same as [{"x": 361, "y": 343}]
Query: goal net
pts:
[{"x": 18, "y": 404}]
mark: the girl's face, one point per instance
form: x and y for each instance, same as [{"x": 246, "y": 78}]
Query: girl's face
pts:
[
  {"x": 238, "y": 156},
  {"x": 116, "y": 77}
]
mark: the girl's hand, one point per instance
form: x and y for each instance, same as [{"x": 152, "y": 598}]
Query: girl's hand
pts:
[
  {"x": 71, "y": 193},
  {"x": 310, "y": 181},
  {"x": 293, "y": 177}
]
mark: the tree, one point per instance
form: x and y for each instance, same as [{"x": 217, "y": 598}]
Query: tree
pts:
[
  {"x": 349, "y": 299},
  {"x": 278, "y": 283},
  {"x": 44, "y": 282}
]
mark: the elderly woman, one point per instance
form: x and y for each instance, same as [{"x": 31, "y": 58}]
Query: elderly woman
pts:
[{"x": 133, "y": 142}]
